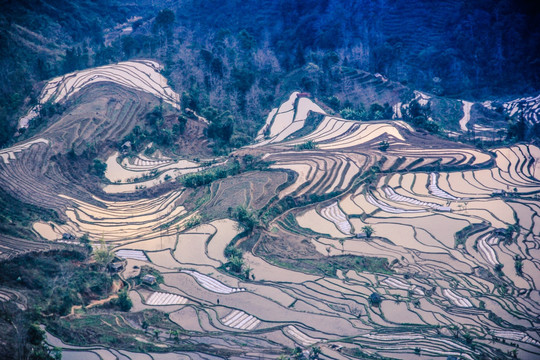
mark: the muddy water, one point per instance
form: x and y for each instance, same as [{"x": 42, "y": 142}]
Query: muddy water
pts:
[
  {"x": 268, "y": 272},
  {"x": 312, "y": 220},
  {"x": 191, "y": 249},
  {"x": 399, "y": 313},
  {"x": 47, "y": 231},
  {"x": 226, "y": 230},
  {"x": 349, "y": 206}
]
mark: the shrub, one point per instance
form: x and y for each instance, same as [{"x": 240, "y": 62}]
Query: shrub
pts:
[
  {"x": 308, "y": 145},
  {"x": 245, "y": 218},
  {"x": 193, "y": 221},
  {"x": 123, "y": 301},
  {"x": 98, "y": 168},
  {"x": 231, "y": 251}
]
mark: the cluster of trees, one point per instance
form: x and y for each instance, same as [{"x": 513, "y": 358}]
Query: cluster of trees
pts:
[
  {"x": 157, "y": 129},
  {"x": 307, "y": 145},
  {"x": 236, "y": 166},
  {"x": 298, "y": 354},
  {"x": 206, "y": 177},
  {"x": 375, "y": 112},
  {"x": 221, "y": 125},
  {"x": 235, "y": 262},
  {"x": 22, "y": 336},
  {"x": 53, "y": 282},
  {"x": 419, "y": 116},
  {"x": 123, "y": 302},
  {"x": 521, "y": 130},
  {"x": 98, "y": 168},
  {"x": 247, "y": 220}
]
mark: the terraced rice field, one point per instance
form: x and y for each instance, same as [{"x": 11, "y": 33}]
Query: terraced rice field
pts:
[
  {"x": 449, "y": 219},
  {"x": 141, "y": 75},
  {"x": 391, "y": 215},
  {"x": 423, "y": 243},
  {"x": 287, "y": 119},
  {"x": 529, "y": 107},
  {"x": 142, "y": 172},
  {"x": 9, "y": 154}
]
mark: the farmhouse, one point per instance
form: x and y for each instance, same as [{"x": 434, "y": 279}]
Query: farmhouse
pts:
[
  {"x": 149, "y": 279},
  {"x": 68, "y": 236},
  {"x": 126, "y": 147},
  {"x": 116, "y": 266}
]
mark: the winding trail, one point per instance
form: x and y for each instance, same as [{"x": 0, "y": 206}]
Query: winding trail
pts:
[{"x": 466, "y": 115}]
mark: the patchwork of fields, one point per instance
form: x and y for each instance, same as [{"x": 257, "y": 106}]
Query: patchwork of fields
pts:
[{"x": 456, "y": 230}]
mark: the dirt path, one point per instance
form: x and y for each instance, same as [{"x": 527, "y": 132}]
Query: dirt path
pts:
[
  {"x": 466, "y": 115},
  {"x": 117, "y": 285}
]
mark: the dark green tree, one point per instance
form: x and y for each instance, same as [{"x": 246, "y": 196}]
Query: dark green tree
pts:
[{"x": 124, "y": 302}]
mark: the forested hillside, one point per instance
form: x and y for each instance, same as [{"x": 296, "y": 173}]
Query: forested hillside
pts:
[
  {"x": 481, "y": 47},
  {"x": 230, "y": 54}
]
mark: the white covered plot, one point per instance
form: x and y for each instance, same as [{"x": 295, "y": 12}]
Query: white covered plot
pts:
[
  {"x": 392, "y": 195},
  {"x": 160, "y": 298},
  {"x": 212, "y": 284},
  {"x": 435, "y": 190},
  {"x": 456, "y": 299},
  {"x": 240, "y": 320},
  {"x": 300, "y": 337},
  {"x": 387, "y": 208},
  {"x": 142, "y": 75},
  {"x": 132, "y": 254},
  {"x": 335, "y": 215},
  {"x": 398, "y": 284},
  {"x": 9, "y": 153},
  {"x": 486, "y": 250}
]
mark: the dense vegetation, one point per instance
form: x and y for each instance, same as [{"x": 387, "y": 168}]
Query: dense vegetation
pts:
[
  {"x": 52, "y": 283},
  {"x": 16, "y": 217},
  {"x": 450, "y": 46}
]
